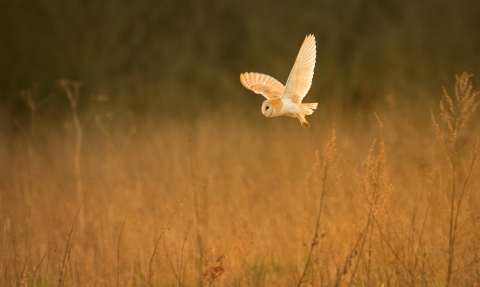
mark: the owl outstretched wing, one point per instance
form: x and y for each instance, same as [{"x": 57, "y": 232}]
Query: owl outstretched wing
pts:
[
  {"x": 262, "y": 84},
  {"x": 300, "y": 78}
]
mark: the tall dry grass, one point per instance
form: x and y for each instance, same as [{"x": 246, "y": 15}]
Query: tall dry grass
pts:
[{"x": 233, "y": 199}]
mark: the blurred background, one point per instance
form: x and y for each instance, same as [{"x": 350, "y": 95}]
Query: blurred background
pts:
[
  {"x": 162, "y": 120},
  {"x": 170, "y": 55}
]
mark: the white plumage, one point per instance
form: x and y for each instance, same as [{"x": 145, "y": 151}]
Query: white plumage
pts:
[{"x": 287, "y": 101}]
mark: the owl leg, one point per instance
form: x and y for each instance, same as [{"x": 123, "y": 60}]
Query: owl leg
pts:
[{"x": 304, "y": 122}]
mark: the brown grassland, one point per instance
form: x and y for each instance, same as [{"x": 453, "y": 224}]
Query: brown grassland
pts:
[{"x": 230, "y": 198}]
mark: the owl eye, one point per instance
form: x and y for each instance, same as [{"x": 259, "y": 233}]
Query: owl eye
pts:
[{"x": 267, "y": 108}]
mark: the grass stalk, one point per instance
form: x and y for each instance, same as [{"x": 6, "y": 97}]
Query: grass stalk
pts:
[
  {"x": 455, "y": 114},
  {"x": 72, "y": 91},
  {"x": 328, "y": 163},
  {"x": 118, "y": 246},
  {"x": 150, "y": 263},
  {"x": 40, "y": 262},
  {"x": 196, "y": 206},
  {"x": 69, "y": 245},
  {"x": 27, "y": 244}
]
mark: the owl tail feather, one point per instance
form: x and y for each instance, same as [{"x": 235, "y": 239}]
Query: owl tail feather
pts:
[{"x": 309, "y": 108}]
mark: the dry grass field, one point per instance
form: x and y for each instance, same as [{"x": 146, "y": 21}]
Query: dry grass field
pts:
[
  {"x": 160, "y": 170},
  {"x": 229, "y": 198}
]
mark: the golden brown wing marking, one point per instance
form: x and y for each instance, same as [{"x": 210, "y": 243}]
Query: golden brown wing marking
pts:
[
  {"x": 262, "y": 84},
  {"x": 296, "y": 99}
]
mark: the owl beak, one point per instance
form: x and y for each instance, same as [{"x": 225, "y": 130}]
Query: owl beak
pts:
[{"x": 268, "y": 112}]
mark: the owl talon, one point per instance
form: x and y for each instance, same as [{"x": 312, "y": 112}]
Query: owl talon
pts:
[{"x": 305, "y": 124}]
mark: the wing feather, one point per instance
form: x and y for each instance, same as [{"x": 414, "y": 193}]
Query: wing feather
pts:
[
  {"x": 300, "y": 79},
  {"x": 262, "y": 84}
]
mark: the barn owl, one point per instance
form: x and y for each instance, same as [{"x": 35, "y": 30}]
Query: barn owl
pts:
[{"x": 287, "y": 101}]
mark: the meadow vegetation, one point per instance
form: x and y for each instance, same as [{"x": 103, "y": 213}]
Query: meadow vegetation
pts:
[
  {"x": 153, "y": 166},
  {"x": 229, "y": 198}
]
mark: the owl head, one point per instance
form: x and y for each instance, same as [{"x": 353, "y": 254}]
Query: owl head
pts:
[{"x": 272, "y": 107}]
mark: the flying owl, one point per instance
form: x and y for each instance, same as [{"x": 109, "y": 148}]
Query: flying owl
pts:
[{"x": 287, "y": 101}]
